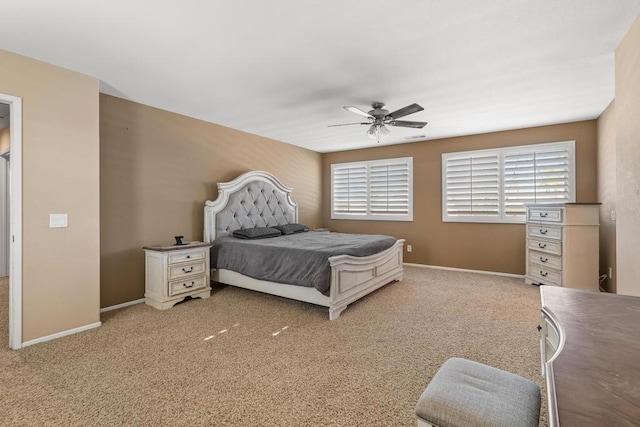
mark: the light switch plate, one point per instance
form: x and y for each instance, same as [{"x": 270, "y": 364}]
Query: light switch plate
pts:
[{"x": 58, "y": 221}]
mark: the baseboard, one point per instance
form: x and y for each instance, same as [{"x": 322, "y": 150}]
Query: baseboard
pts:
[
  {"x": 61, "y": 334},
  {"x": 464, "y": 270},
  {"x": 123, "y": 305}
]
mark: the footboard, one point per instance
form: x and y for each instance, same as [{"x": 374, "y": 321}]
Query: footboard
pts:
[{"x": 354, "y": 277}]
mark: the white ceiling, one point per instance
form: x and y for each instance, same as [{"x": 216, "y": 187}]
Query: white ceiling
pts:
[{"x": 284, "y": 68}]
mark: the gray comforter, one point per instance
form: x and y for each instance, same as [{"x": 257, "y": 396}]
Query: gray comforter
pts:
[{"x": 296, "y": 259}]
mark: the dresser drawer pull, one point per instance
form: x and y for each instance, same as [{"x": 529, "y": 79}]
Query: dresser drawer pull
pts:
[
  {"x": 189, "y": 286},
  {"x": 184, "y": 270},
  {"x": 544, "y": 259},
  {"x": 543, "y": 231},
  {"x": 544, "y": 214},
  {"x": 543, "y": 273},
  {"x": 188, "y": 256},
  {"x": 542, "y": 245}
]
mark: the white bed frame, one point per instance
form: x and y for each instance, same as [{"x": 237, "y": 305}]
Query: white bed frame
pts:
[{"x": 351, "y": 277}]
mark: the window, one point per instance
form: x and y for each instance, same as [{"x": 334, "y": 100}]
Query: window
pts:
[
  {"x": 374, "y": 190},
  {"x": 493, "y": 185}
]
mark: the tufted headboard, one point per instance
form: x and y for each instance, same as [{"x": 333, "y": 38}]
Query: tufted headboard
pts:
[{"x": 254, "y": 199}]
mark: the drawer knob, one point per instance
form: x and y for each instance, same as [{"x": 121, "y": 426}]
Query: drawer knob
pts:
[
  {"x": 189, "y": 286},
  {"x": 539, "y": 328},
  {"x": 543, "y": 214},
  {"x": 543, "y": 231},
  {"x": 184, "y": 270},
  {"x": 188, "y": 256},
  {"x": 542, "y": 245},
  {"x": 544, "y": 259},
  {"x": 543, "y": 273}
]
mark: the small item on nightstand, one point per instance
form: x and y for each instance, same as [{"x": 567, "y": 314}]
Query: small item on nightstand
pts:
[{"x": 179, "y": 241}]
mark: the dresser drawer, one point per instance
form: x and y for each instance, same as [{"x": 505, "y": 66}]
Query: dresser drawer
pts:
[
  {"x": 545, "y": 214},
  {"x": 551, "y": 339},
  {"x": 545, "y": 260},
  {"x": 544, "y": 230},
  {"x": 545, "y": 275},
  {"x": 184, "y": 270},
  {"x": 187, "y": 285},
  {"x": 187, "y": 256},
  {"x": 550, "y": 350},
  {"x": 545, "y": 246},
  {"x": 552, "y": 333}
]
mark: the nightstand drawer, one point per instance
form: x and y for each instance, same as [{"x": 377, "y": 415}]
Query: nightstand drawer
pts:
[
  {"x": 184, "y": 270},
  {"x": 188, "y": 285},
  {"x": 545, "y": 246},
  {"x": 187, "y": 256},
  {"x": 544, "y": 230},
  {"x": 546, "y": 260},
  {"x": 545, "y": 214}
]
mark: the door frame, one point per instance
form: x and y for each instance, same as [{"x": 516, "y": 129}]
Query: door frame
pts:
[{"x": 15, "y": 234}]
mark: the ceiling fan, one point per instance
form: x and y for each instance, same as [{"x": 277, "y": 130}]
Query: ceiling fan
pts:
[{"x": 379, "y": 119}]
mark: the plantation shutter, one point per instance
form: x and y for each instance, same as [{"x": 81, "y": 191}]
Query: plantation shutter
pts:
[
  {"x": 536, "y": 176},
  {"x": 494, "y": 185},
  {"x": 389, "y": 188},
  {"x": 472, "y": 186},
  {"x": 374, "y": 190},
  {"x": 350, "y": 190}
]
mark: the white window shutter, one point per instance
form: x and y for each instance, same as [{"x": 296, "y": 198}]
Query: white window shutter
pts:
[
  {"x": 472, "y": 186},
  {"x": 494, "y": 185},
  {"x": 373, "y": 190},
  {"x": 389, "y": 188},
  {"x": 350, "y": 190},
  {"x": 537, "y": 176}
]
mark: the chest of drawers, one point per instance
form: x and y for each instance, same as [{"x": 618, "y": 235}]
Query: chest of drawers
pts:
[
  {"x": 563, "y": 245},
  {"x": 589, "y": 345},
  {"x": 173, "y": 273}
]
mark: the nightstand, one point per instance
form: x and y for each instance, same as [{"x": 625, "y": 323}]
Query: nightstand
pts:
[
  {"x": 173, "y": 273},
  {"x": 322, "y": 230}
]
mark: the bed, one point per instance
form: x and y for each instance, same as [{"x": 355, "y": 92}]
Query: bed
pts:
[{"x": 258, "y": 199}]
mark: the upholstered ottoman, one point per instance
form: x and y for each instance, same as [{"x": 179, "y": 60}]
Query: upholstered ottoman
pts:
[{"x": 467, "y": 393}]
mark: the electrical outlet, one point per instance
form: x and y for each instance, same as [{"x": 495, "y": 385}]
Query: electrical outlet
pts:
[
  {"x": 610, "y": 273},
  {"x": 409, "y": 248}
]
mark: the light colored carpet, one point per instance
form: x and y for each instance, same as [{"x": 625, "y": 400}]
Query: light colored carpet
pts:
[{"x": 151, "y": 367}]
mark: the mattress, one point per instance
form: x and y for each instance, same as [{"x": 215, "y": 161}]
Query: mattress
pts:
[{"x": 296, "y": 259}]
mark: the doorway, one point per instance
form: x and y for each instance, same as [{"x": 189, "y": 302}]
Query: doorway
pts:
[
  {"x": 5, "y": 148},
  {"x": 11, "y": 214}
]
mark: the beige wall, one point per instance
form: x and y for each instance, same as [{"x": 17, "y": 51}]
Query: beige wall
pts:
[
  {"x": 627, "y": 111},
  {"x": 489, "y": 247},
  {"x": 5, "y": 141},
  {"x": 607, "y": 194},
  {"x": 60, "y": 147},
  {"x": 158, "y": 168}
]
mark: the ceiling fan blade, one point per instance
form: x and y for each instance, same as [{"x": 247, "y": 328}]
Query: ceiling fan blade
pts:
[
  {"x": 359, "y": 112},
  {"x": 406, "y": 124},
  {"x": 348, "y": 124},
  {"x": 409, "y": 109}
]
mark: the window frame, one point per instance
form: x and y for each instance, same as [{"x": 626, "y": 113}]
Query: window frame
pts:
[
  {"x": 368, "y": 216},
  {"x": 502, "y": 152}
]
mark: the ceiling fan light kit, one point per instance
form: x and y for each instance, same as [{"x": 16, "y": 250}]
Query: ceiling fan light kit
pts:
[
  {"x": 378, "y": 132},
  {"x": 379, "y": 118}
]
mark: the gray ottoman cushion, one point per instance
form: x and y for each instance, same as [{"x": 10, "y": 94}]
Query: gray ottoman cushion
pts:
[{"x": 467, "y": 393}]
